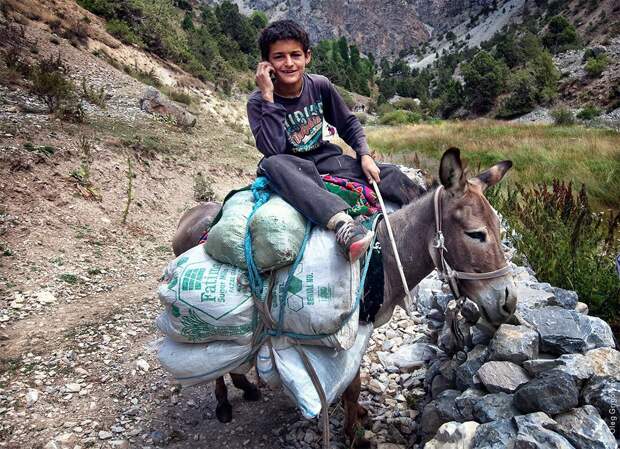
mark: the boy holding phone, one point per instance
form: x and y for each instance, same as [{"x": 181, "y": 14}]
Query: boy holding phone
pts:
[{"x": 286, "y": 115}]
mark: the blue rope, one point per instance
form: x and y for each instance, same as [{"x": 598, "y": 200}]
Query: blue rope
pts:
[{"x": 261, "y": 192}]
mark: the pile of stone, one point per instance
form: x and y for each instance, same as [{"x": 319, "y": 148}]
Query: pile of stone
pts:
[{"x": 550, "y": 379}]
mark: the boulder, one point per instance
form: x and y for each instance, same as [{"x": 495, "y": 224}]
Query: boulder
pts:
[
  {"x": 466, "y": 401},
  {"x": 577, "y": 365},
  {"x": 495, "y": 435},
  {"x": 409, "y": 357},
  {"x": 567, "y": 299},
  {"x": 464, "y": 373},
  {"x": 551, "y": 392},
  {"x": 493, "y": 407},
  {"x": 154, "y": 102},
  {"x": 603, "y": 393},
  {"x": 514, "y": 344},
  {"x": 531, "y": 298},
  {"x": 584, "y": 429},
  {"x": 567, "y": 331},
  {"x": 605, "y": 362},
  {"x": 440, "y": 411},
  {"x": 453, "y": 435},
  {"x": 533, "y": 433},
  {"x": 502, "y": 376}
]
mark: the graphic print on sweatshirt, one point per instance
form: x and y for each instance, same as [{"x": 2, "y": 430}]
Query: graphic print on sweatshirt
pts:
[{"x": 304, "y": 129}]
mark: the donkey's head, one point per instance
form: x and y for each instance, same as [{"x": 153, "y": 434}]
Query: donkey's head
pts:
[{"x": 472, "y": 236}]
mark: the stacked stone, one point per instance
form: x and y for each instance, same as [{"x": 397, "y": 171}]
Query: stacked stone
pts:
[{"x": 551, "y": 379}]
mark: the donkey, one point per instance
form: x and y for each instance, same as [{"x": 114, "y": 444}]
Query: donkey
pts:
[{"x": 472, "y": 246}]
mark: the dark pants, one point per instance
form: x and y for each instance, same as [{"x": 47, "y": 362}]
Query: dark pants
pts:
[{"x": 296, "y": 179}]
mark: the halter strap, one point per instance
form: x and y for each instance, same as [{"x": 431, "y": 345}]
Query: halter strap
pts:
[{"x": 444, "y": 269}]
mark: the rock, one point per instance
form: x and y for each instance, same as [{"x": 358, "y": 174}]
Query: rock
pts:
[
  {"x": 502, "y": 376},
  {"x": 465, "y": 402},
  {"x": 533, "y": 434},
  {"x": 603, "y": 393},
  {"x": 44, "y": 297},
  {"x": 73, "y": 388},
  {"x": 376, "y": 386},
  {"x": 482, "y": 333},
  {"x": 514, "y": 344},
  {"x": 52, "y": 445},
  {"x": 530, "y": 298},
  {"x": 567, "y": 331},
  {"x": 310, "y": 436},
  {"x": 453, "y": 435},
  {"x": 158, "y": 437},
  {"x": 119, "y": 444},
  {"x": 605, "y": 362},
  {"x": 143, "y": 365},
  {"x": 584, "y": 429},
  {"x": 32, "y": 396},
  {"x": 551, "y": 392},
  {"x": 105, "y": 435},
  {"x": 440, "y": 411},
  {"x": 464, "y": 373},
  {"x": 390, "y": 446},
  {"x": 577, "y": 365},
  {"x": 567, "y": 299},
  {"x": 582, "y": 308},
  {"x": 495, "y": 435},
  {"x": 493, "y": 407},
  {"x": 409, "y": 357},
  {"x": 154, "y": 103}
]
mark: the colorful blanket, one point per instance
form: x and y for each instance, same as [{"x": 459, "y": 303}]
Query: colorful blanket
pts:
[{"x": 362, "y": 199}]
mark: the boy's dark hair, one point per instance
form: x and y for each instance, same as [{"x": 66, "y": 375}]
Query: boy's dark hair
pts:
[{"x": 279, "y": 31}]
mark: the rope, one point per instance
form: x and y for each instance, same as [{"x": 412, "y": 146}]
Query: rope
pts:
[{"x": 261, "y": 192}]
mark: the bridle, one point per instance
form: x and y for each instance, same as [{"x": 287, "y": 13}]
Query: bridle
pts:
[{"x": 445, "y": 270}]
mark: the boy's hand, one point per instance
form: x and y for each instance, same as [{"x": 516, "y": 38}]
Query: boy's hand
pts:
[
  {"x": 263, "y": 80},
  {"x": 370, "y": 169}
]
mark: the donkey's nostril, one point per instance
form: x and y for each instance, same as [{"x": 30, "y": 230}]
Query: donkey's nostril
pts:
[{"x": 510, "y": 301}]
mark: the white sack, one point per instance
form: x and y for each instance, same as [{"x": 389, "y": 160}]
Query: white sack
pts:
[{"x": 205, "y": 300}]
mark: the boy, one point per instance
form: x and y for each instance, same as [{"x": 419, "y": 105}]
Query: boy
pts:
[{"x": 286, "y": 116}]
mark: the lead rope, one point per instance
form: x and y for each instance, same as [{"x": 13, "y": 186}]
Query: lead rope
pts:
[{"x": 409, "y": 303}]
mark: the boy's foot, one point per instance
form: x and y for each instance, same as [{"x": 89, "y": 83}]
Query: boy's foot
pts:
[{"x": 354, "y": 239}]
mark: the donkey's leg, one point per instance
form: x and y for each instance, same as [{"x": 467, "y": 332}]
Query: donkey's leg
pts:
[
  {"x": 353, "y": 412},
  {"x": 250, "y": 391},
  {"x": 223, "y": 411}
]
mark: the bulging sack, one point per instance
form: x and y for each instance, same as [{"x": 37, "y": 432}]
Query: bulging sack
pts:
[
  {"x": 321, "y": 296},
  {"x": 205, "y": 300},
  {"x": 335, "y": 369},
  {"x": 277, "y": 231},
  {"x": 193, "y": 364}
]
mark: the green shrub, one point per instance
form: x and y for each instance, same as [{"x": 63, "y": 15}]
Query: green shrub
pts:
[
  {"x": 589, "y": 112},
  {"x": 50, "y": 84},
  {"x": 596, "y": 66},
  {"x": 408, "y": 104},
  {"x": 122, "y": 31},
  {"x": 346, "y": 97},
  {"x": 485, "y": 78},
  {"x": 92, "y": 95},
  {"x": 400, "y": 117},
  {"x": 563, "y": 116},
  {"x": 566, "y": 243},
  {"x": 523, "y": 93},
  {"x": 561, "y": 35}
]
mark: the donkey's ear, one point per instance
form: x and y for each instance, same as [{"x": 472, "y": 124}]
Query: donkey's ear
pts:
[
  {"x": 451, "y": 172},
  {"x": 493, "y": 175}
]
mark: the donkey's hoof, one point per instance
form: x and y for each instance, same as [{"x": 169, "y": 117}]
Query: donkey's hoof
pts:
[
  {"x": 252, "y": 394},
  {"x": 223, "y": 412}
]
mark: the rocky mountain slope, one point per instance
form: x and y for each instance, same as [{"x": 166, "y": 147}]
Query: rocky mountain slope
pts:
[{"x": 389, "y": 27}]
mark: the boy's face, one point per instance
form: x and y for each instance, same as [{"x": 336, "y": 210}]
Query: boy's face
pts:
[{"x": 289, "y": 61}]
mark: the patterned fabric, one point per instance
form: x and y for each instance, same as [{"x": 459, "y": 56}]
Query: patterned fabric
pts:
[{"x": 360, "y": 197}]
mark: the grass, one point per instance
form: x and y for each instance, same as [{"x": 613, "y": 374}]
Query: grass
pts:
[{"x": 540, "y": 153}]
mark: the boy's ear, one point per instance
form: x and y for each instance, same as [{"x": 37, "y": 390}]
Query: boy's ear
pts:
[{"x": 309, "y": 56}]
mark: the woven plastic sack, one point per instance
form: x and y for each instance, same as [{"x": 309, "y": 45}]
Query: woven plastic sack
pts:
[
  {"x": 335, "y": 369},
  {"x": 205, "y": 300},
  {"x": 226, "y": 239},
  {"x": 192, "y": 364},
  {"x": 277, "y": 234},
  {"x": 277, "y": 231},
  {"x": 321, "y": 297}
]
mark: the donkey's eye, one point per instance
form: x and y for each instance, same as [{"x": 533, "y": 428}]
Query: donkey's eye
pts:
[{"x": 478, "y": 235}]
